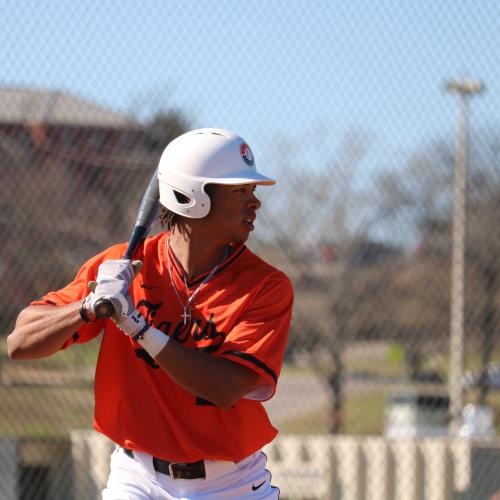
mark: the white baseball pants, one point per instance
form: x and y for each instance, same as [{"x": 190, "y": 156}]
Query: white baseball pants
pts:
[{"x": 136, "y": 479}]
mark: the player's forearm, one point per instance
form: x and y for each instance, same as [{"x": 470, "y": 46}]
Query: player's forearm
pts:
[
  {"x": 42, "y": 330},
  {"x": 215, "y": 379}
]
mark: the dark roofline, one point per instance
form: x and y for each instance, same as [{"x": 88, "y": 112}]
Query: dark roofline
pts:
[{"x": 56, "y": 107}]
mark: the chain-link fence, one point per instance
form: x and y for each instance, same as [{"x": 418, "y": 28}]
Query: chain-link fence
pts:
[{"x": 367, "y": 225}]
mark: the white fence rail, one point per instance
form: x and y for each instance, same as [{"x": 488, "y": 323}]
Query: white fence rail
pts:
[
  {"x": 333, "y": 467},
  {"x": 316, "y": 467},
  {"x": 374, "y": 468}
]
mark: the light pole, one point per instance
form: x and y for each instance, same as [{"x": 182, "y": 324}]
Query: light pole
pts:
[{"x": 464, "y": 89}]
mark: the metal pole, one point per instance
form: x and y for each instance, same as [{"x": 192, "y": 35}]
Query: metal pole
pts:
[
  {"x": 464, "y": 89},
  {"x": 458, "y": 273}
]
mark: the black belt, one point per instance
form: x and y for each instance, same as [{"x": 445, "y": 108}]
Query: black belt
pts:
[{"x": 176, "y": 470}]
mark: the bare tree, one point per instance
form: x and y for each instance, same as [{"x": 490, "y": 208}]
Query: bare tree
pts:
[
  {"x": 326, "y": 209},
  {"x": 427, "y": 183}
]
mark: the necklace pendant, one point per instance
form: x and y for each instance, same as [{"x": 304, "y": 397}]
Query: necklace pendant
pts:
[{"x": 186, "y": 315}]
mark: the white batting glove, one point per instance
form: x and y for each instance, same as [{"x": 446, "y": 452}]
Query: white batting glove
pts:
[
  {"x": 112, "y": 283},
  {"x": 135, "y": 325}
]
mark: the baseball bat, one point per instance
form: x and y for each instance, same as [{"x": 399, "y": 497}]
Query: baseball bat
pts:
[{"x": 146, "y": 217}]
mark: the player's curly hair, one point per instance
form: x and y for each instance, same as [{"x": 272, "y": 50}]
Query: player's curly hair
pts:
[{"x": 167, "y": 218}]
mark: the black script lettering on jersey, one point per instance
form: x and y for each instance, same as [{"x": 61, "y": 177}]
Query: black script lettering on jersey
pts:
[
  {"x": 181, "y": 331},
  {"x": 203, "y": 402},
  {"x": 151, "y": 309},
  {"x": 197, "y": 329},
  {"x": 147, "y": 287},
  {"x": 164, "y": 327},
  {"x": 209, "y": 331},
  {"x": 143, "y": 354}
]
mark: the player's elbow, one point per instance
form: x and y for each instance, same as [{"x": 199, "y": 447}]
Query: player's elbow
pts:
[
  {"x": 14, "y": 350},
  {"x": 18, "y": 345},
  {"x": 17, "y": 339},
  {"x": 234, "y": 391},
  {"x": 226, "y": 403},
  {"x": 228, "y": 399}
]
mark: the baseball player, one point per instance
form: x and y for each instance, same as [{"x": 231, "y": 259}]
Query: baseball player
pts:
[{"x": 197, "y": 338}]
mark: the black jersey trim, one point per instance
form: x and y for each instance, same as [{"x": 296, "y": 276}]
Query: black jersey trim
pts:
[
  {"x": 179, "y": 270},
  {"x": 255, "y": 361},
  {"x": 227, "y": 263}
]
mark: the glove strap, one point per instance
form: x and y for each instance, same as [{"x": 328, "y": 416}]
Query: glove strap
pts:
[
  {"x": 151, "y": 339},
  {"x": 140, "y": 334}
]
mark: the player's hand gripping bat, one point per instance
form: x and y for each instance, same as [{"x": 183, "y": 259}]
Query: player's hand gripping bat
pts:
[{"x": 146, "y": 216}]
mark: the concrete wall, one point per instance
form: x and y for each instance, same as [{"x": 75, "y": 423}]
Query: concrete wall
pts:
[{"x": 8, "y": 469}]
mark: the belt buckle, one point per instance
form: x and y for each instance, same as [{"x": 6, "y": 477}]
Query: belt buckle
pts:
[{"x": 174, "y": 472}]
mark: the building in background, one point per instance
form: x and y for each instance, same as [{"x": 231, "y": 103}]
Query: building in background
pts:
[
  {"x": 72, "y": 174},
  {"x": 49, "y": 124}
]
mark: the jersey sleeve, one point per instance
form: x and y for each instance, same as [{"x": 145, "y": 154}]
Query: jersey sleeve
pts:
[
  {"x": 259, "y": 339},
  {"x": 77, "y": 290}
]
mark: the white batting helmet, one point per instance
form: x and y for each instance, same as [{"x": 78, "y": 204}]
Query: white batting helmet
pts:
[{"x": 200, "y": 157}]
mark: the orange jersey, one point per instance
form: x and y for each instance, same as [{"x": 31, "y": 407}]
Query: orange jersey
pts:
[{"x": 242, "y": 313}]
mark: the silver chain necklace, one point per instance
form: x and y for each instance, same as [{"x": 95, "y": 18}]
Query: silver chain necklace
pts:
[{"x": 188, "y": 306}]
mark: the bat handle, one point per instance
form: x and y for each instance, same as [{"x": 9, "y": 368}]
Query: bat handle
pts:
[{"x": 103, "y": 308}]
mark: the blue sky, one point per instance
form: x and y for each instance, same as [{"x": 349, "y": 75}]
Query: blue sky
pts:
[{"x": 297, "y": 71}]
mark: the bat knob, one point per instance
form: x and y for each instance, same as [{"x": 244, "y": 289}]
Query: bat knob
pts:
[{"x": 103, "y": 308}]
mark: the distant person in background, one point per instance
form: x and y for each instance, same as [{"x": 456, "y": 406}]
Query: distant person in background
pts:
[{"x": 197, "y": 339}]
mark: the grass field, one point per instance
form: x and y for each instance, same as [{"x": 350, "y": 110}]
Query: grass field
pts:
[
  {"x": 48, "y": 397},
  {"x": 52, "y": 396},
  {"x": 45, "y": 411},
  {"x": 364, "y": 415}
]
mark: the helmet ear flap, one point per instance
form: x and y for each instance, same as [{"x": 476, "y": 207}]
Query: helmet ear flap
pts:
[{"x": 183, "y": 196}]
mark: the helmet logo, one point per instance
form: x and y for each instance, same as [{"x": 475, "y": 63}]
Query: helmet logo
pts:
[{"x": 246, "y": 154}]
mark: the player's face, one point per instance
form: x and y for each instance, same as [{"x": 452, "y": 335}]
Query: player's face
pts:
[{"x": 233, "y": 211}]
